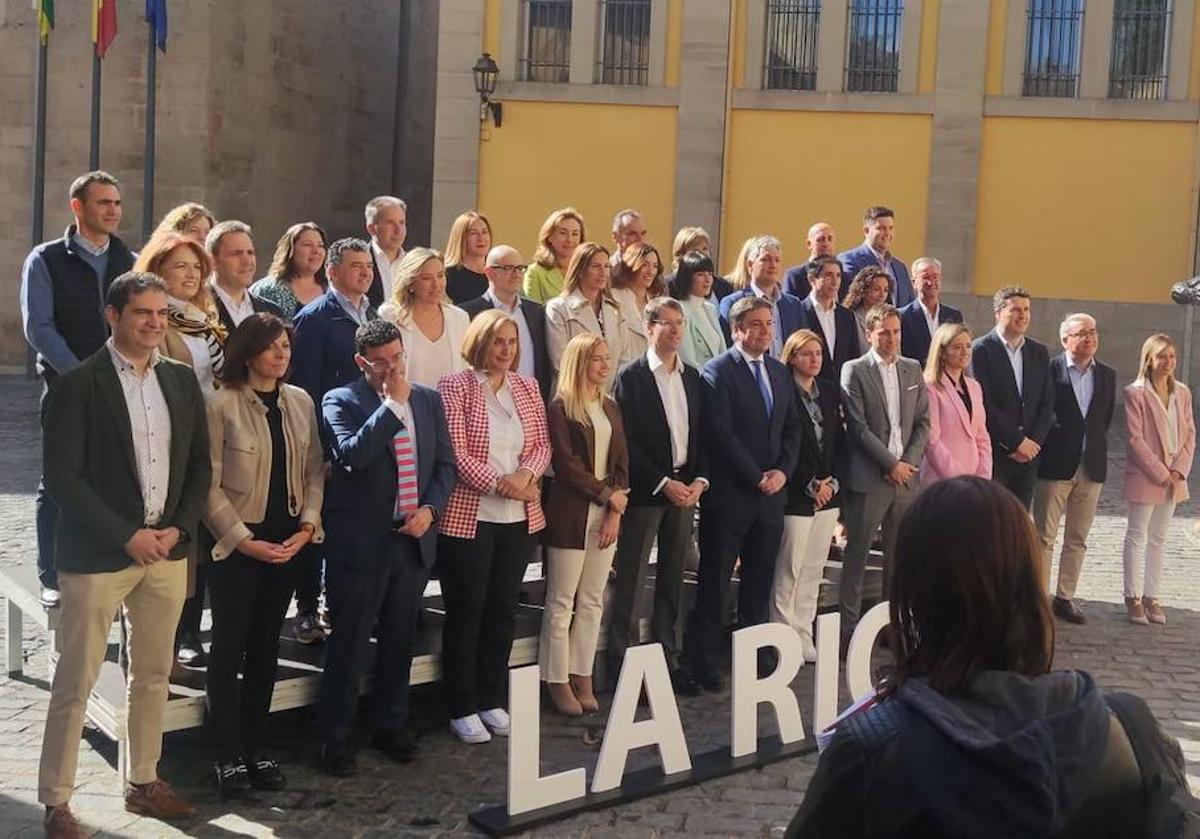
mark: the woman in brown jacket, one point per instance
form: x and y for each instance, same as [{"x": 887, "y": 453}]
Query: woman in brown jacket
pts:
[{"x": 587, "y": 499}]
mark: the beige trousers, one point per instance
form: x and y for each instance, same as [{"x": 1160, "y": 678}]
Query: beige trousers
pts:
[
  {"x": 153, "y": 596},
  {"x": 1077, "y": 499},
  {"x": 800, "y": 569},
  {"x": 575, "y": 581}
]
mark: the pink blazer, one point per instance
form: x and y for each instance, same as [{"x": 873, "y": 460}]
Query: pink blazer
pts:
[
  {"x": 958, "y": 442},
  {"x": 1146, "y": 465}
]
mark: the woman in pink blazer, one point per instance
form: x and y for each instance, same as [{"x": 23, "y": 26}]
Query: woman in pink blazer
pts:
[
  {"x": 958, "y": 438},
  {"x": 1162, "y": 441}
]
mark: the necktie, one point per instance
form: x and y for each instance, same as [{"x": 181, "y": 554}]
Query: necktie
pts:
[
  {"x": 768, "y": 401},
  {"x": 406, "y": 473}
]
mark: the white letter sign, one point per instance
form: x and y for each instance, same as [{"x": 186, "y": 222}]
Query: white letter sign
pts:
[
  {"x": 526, "y": 789},
  {"x": 749, "y": 691}
]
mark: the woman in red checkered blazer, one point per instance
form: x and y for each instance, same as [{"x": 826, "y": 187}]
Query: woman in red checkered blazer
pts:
[{"x": 487, "y": 533}]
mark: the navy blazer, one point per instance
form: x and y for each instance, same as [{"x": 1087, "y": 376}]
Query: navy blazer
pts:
[
  {"x": 1065, "y": 443},
  {"x": 535, "y": 318},
  {"x": 258, "y": 304},
  {"x": 856, "y": 259},
  {"x": 1012, "y": 416},
  {"x": 648, "y": 435},
  {"x": 360, "y": 494},
  {"x": 845, "y": 340},
  {"x": 795, "y": 282},
  {"x": 323, "y": 346},
  {"x": 743, "y": 442},
  {"x": 915, "y": 339},
  {"x": 790, "y": 318}
]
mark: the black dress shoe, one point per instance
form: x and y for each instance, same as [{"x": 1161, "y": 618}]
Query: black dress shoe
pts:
[
  {"x": 337, "y": 760},
  {"x": 1067, "y": 610},
  {"x": 190, "y": 653},
  {"x": 397, "y": 745},
  {"x": 232, "y": 777},
  {"x": 683, "y": 684},
  {"x": 264, "y": 774}
]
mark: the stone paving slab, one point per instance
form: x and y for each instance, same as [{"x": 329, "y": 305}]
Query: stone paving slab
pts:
[{"x": 433, "y": 796}]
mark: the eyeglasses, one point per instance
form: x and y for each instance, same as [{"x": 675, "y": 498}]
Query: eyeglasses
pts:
[
  {"x": 386, "y": 363},
  {"x": 511, "y": 270}
]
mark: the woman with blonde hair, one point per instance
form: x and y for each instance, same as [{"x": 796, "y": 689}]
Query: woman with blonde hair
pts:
[
  {"x": 739, "y": 277},
  {"x": 1162, "y": 443},
  {"x": 585, "y": 305},
  {"x": 586, "y": 502},
  {"x": 636, "y": 279},
  {"x": 297, "y": 273},
  {"x": 433, "y": 329},
  {"x": 191, "y": 219},
  {"x": 959, "y": 443},
  {"x": 868, "y": 289},
  {"x": 466, "y": 256},
  {"x": 561, "y": 233},
  {"x": 687, "y": 240}
]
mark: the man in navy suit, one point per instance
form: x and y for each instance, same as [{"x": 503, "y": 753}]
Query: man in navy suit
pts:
[
  {"x": 822, "y": 314},
  {"x": 393, "y": 469},
  {"x": 879, "y": 226},
  {"x": 921, "y": 318},
  {"x": 231, "y": 247},
  {"x": 765, "y": 266},
  {"x": 1074, "y": 462},
  {"x": 752, "y": 426},
  {"x": 1018, "y": 392},
  {"x": 505, "y": 270},
  {"x": 820, "y": 242}
]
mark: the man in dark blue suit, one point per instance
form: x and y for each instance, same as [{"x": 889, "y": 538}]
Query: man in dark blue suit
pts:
[
  {"x": 1018, "y": 392},
  {"x": 752, "y": 426},
  {"x": 879, "y": 226},
  {"x": 820, "y": 242},
  {"x": 822, "y": 314},
  {"x": 393, "y": 469},
  {"x": 921, "y": 318},
  {"x": 765, "y": 266}
]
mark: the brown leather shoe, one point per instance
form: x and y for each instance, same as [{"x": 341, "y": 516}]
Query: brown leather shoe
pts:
[
  {"x": 158, "y": 801},
  {"x": 60, "y": 823},
  {"x": 1154, "y": 611},
  {"x": 563, "y": 699},
  {"x": 581, "y": 686},
  {"x": 1067, "y": 610},
  {"x": 1135, "y": 611}
]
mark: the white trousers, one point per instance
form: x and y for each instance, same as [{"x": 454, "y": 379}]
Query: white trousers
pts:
[
  {"x": 575, "y": 581},
  {"x": 1146, "y": 532},
  {"x": 799, "y": 569}
]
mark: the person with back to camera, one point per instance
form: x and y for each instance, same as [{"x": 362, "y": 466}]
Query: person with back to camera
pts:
[{"x": 973, "y": 734}]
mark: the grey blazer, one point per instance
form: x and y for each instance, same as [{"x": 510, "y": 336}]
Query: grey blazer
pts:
[{"x": 867, "y": 426}]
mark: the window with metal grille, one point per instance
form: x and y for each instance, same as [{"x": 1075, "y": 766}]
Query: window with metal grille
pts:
[
  {"x": 1139, "y": 49},
  {"x": 791, "y": 48},
  {"x": 624, "y": 41},
  {"x": 1052, "y": 47},
  {"x": 547, "y": 53},
  {"x": 873, "y": 45}
]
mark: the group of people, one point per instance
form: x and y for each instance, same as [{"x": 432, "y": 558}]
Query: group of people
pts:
[{"x": 365, "y": 416}]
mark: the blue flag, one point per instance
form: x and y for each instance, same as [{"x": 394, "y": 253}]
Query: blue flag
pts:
[{"x": 156, "y": 16}]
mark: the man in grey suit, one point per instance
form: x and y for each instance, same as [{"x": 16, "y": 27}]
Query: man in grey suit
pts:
[{"x": 887, "y": 424}]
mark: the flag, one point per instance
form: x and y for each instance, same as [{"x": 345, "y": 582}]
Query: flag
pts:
[
  {"x": 45, "y": 15},
  {"x": 104, "y": 24},
  {"x": 156, "y": 16}
]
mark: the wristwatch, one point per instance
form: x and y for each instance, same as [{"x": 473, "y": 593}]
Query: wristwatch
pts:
[{"x": 433, "y": 514}]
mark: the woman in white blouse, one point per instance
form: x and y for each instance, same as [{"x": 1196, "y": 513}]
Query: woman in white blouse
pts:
[
  {"x": 585, "y": 306},
  {"x": 702, "y": 337},
  {"x": 637, "y": 278},
  {"x": 433, "y": 328}
]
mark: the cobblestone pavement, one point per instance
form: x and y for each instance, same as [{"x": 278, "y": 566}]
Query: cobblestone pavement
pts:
[{"x": 433, "y": 796}]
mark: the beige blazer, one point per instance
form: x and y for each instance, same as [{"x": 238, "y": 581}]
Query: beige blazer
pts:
[
  {"x": 241, "y": 463},
  {"x": 570, "y": 315}
]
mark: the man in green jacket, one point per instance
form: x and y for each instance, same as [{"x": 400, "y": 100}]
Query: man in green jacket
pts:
[{"x": 126, "y": 458}]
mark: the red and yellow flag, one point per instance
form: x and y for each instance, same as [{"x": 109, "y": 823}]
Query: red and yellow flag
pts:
[{"x": 104, "y": 24}]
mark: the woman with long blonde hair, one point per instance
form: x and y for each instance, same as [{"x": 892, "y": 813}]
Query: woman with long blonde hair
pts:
[
  {"x": 560, "y": 234},
  {"x": 191, "y": 219},
  {"x": 585, "y": 305},
  {"x": 586, "y": 502},
  {"x": 959, "y": 443},
  {"x": 433, "y": 329},
  {"x": 467, "y": 248}
]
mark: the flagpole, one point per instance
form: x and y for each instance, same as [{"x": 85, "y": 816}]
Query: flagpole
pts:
[
  {"x": 151, "y": 108},
  {"x": 94, "y": 155},
  {"x": 39, "y": 161}
]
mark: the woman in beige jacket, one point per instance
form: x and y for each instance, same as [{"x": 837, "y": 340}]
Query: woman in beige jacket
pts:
[{"x": 263, "y": 508}]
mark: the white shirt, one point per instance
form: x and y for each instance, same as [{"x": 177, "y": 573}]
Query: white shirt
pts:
[
  {"x": 150, "y": 422},
  {"x": 506, "y": 440},
  {"x": 527, "y": 365},
  {"x": 931, "y": 318},
  {"x": 201, "y": 362},
  {"x": 387, "y": 268},
  {"x": 891, "y": 391},
  {"x": 404, "y": 413},
  {"x": 238, "y": 312},
  {"x": 602, "y": 430},
  {"x": 827, "y": 320},
  {"x": 675, "y": 406},
  {"x": 1015, "y": 359}
]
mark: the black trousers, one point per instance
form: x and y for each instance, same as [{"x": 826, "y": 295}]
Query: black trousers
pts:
[
  {"x": 249, "y": 601},
  {"x": 193, "y": 607},
  {"x": 1019, "y": 478},
  {"x": 308, "y": 578},
  {"x": 45, "y": 520},
  {"x": 481, "y": 580},
  {"x": 752, "y": 533},
  {"x": 376, "y": 591}
]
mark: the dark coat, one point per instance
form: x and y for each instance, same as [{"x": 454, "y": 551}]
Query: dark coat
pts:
[
  {"x": 915, "y": 339},
  {"x": 535, "y": 317},
  {"x": 817, "y": 460},
  {"x": 846, "y": 340},
  {"x": 856, "y": 259},
  {"x": 1013, "y": 415},
  {"x": 575, "y": 487},
  {"x": 323, "y": 346},
  {"x": 259, "y": 304},
  {"x": 1064, "y": 447}
]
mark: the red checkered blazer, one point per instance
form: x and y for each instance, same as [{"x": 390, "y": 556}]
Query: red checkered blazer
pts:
[{"x": 466, "y": 415}]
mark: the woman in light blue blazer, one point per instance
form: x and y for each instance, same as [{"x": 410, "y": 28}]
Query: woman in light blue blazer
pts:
[{"x": 702, "y": 337}]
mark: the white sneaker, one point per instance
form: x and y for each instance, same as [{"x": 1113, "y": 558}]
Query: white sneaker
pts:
[
  {"x": 469, "y": 729},
  {"x": 497, "y": 720},
  {"x": 808, "y": 648}
]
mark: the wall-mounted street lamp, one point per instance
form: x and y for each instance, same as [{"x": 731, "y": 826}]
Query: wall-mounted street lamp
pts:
[{"x": 486, "y": 71}]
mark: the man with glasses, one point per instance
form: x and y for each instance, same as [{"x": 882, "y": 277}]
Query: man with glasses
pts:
[
  {"x": 667, "y": 466},
  {"x": 505, "y": 270},
  {"x": 1074, "y": 461}
]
